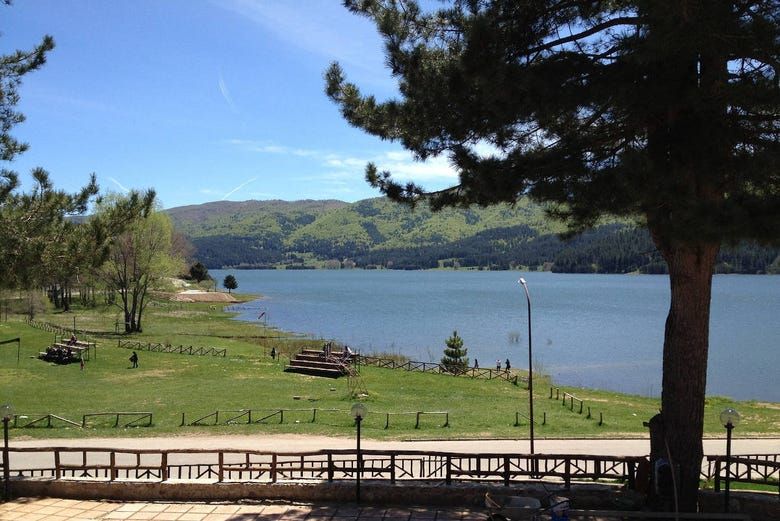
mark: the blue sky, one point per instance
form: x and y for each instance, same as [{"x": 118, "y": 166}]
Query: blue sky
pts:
[{"x": 202, "y": 100}]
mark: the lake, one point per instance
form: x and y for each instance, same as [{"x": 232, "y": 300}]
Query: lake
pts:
[{"x": 600, "y": 331}]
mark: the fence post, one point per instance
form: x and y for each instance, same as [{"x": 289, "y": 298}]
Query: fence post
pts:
[
  {"x": 567, "y": 473},
  {"x": 112, "y": 464},
  {"x": 588, "y": 412},
  {"x": 221, "y": 467},
  {"x": 164, "y": 467},
  {"x": 544, "y": 418},
  {"x": 631, "y": 475},
  {"x": 581, "y": 405},
  {"x": 314, "y": 416},
  {"x": 281, "y": 415},
  {"x": 506, "y": 471},
  {"x": 447, "y": 419},
  {"x": 551, "y": 390},
  {"x": 57, "y": 469},
  {"x": 417, "y": 425},
  {"x": 448, "y": 478},
  {"x": 330, "y": 467},
  {"x": 601, "y": 419},
  {"x": 387, "y": 421},
  {"x": 717, "y": 474},
  {"x": 273, "y": 468},
  {"x": 392, "y": 468}
]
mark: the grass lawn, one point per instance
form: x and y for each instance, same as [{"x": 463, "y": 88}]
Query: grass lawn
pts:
[{"x": 168, "y": 385}]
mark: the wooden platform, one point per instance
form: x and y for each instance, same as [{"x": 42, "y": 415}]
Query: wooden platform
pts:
[{"x": 316, "y": 362}]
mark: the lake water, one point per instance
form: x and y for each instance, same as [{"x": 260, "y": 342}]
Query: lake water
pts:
[{"x": 601, "y": 331}]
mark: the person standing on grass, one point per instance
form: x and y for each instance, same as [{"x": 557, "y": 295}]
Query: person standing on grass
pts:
[
  {"x": 508, "y": 367},
  {"x": 134, "y": 359}
]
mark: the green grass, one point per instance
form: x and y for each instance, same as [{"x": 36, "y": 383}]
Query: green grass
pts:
[{"x": 171, "y": 384}]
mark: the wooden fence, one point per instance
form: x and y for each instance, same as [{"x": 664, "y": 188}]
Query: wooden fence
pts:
[
  {"x": 573, "y": 403},
  {"x": 60, "y": 330},
  {"x": 48, "y": 420},
  {"x": 343, "y": 464},
  {"x": 325, "y": 465},
  {"x": 250, "y": 416},
  {"x": 168, "y": 348},
  {"x": 433, "y": 367},
  {"x": 761, "y": 469}
]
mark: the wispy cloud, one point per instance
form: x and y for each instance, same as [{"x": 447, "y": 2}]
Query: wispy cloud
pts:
[
  {"x": 226, "y": 94},
  {"x": 123, "y": 188},
  {"x": 267, "y": 147},
  {"x": 239, "y": 187},
  {"x": 324, "y": 28},
  {"x": 340, "y": 171}
]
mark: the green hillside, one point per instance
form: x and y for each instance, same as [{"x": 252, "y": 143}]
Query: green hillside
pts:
[{"x": 377, "y": 233}]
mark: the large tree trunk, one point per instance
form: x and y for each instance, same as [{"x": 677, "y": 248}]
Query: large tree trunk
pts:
[{"x": 686, "y": 344}]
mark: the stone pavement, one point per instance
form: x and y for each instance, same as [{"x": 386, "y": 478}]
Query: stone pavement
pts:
[{"x": 52, "y": 509}]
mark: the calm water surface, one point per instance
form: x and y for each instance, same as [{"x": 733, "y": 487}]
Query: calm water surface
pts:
[{"x": 602, "y": 331}]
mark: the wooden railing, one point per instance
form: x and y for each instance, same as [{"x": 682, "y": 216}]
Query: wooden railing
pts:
[
  {"x": 761, "y": 469},
  {"x": 168, "y": 348},
  {"x": 433, "y": 367},
  {"x": 324, "y": 465},
  {"x": 342, "y": 464}
]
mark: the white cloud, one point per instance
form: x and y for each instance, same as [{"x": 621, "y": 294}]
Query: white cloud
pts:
[
  {"x": 239, "y": 187},
  {"x": 125, "y": 190},
  {"x": 339, "y": 172},
  {"x": 226, "y": 93},
  {"x": 324, "y": 28}
]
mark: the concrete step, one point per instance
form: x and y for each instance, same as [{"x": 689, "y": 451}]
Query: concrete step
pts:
[
  {"x": 314, "y": 364},
  {"x": 314, "y": 371}
]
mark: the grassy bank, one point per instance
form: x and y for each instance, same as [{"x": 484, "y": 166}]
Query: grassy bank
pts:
[{"x": 168, "y": 385}]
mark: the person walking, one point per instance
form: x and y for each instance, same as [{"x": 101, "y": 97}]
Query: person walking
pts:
[
  {"x": 508, "y": 367},
  {"x": 134, "y": 359}
]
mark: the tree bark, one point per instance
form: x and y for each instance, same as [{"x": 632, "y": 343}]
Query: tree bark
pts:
[{"x": 686, "y": 344}]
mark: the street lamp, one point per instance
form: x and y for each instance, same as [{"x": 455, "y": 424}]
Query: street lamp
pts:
[
  {"x": 729, "y": 418},
  {"x": 530, "y": 367},
  {"x": 358, "y": 411},
  {"x": 7, "y": 412}
]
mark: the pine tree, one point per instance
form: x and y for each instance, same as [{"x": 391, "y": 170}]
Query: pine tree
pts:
[
  {"x": 199, "y": 272},
  {"x": 230, "y": 283},
  {"x": 667, "y": 112},
  {"x": 454, "y": 360}
]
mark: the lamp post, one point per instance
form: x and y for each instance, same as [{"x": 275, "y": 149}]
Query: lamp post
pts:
[
  {"x": 530, "y": 367},
  {"x": 729, "y": 418},
  {"x": 7, "y": 412},
  {"x": 358, "y": 411}
]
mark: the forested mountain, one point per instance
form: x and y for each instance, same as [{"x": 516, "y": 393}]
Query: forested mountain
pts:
[{"x": 377, "y": 233}]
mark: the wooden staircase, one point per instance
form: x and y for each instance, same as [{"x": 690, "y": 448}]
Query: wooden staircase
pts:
[{"x": 319, "y": 362}]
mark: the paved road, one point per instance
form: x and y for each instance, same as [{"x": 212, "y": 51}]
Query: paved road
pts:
[{"x": 297, "y": 443}]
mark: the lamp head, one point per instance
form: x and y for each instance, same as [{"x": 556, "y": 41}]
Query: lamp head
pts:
[
  {"x": 729, "y": 417},
  {"x": 522, "y": 281},
  {"x": 358, "y": 410},
  {"x": 6, "y": 411}
]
